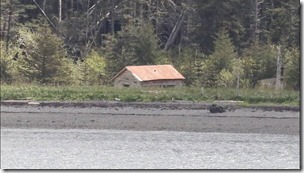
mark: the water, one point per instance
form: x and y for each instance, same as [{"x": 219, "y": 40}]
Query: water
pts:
[{"x": 114, "y": 149}]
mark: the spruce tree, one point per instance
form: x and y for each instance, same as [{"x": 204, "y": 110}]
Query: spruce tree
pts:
[
  {"x": 91, "y": 71},
  {"x": 45, "y": 62},
  {"x": 136, "y": 44},
  {"x": 222, "y": 58},
  {"x": 259, "y": 62},
  {"x": 5, "y": 76},
  {"x": 292, "y": 69},
  {"x": 224, "y": 51}
]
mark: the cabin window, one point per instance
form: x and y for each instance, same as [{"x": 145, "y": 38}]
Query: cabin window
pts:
[{"x": 168, "y": 86}]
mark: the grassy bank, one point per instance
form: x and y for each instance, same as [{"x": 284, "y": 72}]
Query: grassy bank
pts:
[{"x": 85, "y": 93}]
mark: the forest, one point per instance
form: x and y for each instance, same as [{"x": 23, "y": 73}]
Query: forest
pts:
[{"x": 213, "y": 43}]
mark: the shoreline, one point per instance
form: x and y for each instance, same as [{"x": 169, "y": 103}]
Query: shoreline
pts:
[
  {"x": 173, "y": 105},
  {"x": 243, "y": 120}
]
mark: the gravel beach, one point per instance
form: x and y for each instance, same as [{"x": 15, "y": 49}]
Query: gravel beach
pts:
[{"x": 151, "y": 118}]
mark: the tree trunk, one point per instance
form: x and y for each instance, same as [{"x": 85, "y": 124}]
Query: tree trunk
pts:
[
  {"x": 174, "y": 32},
  {"x": 3, "y": 29},
  {"x": 257, "y": 18},
  {"x": 278, "y": 85},
  {"x": 8, "y": 26},
  {"x": 238, "y": 84},
  {"x": 44, "y": 4},
  {"x": 112, "y": 17},
  {"x": 60, "y": 11},
  {"x": 48, "y": 19},
  {"x": 72, "y": 5}
]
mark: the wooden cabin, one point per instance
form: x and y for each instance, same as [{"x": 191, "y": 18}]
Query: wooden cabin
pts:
[
  {"x": 148, "y": 76},
  {"x": 270, "y": 83}
]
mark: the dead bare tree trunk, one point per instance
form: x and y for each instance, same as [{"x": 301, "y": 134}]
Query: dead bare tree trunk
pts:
[
  {"x": 47, "y": 18},
  {"x": 60, "y": 11},
  {"x": 256, "y": 18},
  {"x": 112, "y": 17},
  {"x": 174, "y": 32},
  {"x": 238, "y": 84},
  {"x": 43, "y": 5},
  {"x": 72, "y": 5},
  {"x": 278, "y": 85},
  {"x": 3, "y": 29},
  {"x": 99, "y": 24},
  {"x": 257, "y": 21},
  {"x": 9, "y": 26}
]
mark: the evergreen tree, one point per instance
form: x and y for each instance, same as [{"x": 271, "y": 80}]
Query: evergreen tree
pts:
[
  {"x": 5, "y": 76},
  {"x": 259, "y": 62},
  {"x": 189, "y": 63},
  {"x": 212, "y": 15},
  {"x": 284, "y": 23},
  {"x": 45, "y": 62},
  {"x": 91, "y": 71},
  {"x": 12, "y": 12},
  {"x": 148, "y": 26},
  {"x": 292, "y": 69},
  {"x": 221, "y": 58},
  {"x": 136, "y": 44},
  {"x": 209, "y": 73},
  {"x": 224, "y": 51}
]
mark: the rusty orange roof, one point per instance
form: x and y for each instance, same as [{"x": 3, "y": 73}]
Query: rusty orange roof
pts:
[{"x": 153, "y": 72}]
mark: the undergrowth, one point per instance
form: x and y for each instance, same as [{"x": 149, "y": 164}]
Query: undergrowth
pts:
[{"x": 86, "y": 93}]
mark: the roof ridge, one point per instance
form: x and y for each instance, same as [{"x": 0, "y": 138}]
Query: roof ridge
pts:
[
  {"x": 149, "y": 65},
  {"x": 152, "y": 72}
]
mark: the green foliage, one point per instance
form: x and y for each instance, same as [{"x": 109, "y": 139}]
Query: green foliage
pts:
[
  {"x": 51, "y": 93},
  {"x": 292, "y": 69},
  {"x": 284, "y": 21},
  {"x": 209, "y": 73},
  {"x": 134, "y": 32},
  {"x": 226, "y": 79},
  {"x": 224, "y": 51},
  {"x": 259, "y": 62},
  {"x": 16, "y": 10},
  {"x": 188, "y": 63},
  {"x": 45, "y": 60},
  {"x": 8, "y": 66},
  {"x": 215, "y": 15},
  {"x": 136, "y": 44},
  {"x": 222, "y": 58},
  {"x": 5, "y": 76},
  {"x": 91, "y": 71},
  {"x": 163, "y": 58}
]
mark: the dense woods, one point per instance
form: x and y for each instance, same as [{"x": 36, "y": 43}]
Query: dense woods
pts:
[{"x": 213, "y": 43}]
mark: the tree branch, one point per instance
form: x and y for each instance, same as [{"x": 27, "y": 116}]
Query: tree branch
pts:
[
  {"x": 174, "y": 32},
  {"x": 47, "y": 18}
]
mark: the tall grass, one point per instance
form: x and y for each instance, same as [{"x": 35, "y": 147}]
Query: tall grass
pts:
[{"x": 85, "y": 93}]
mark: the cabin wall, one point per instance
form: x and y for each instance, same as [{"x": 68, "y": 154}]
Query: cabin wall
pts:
[
  {"x": 269, "y": 83},
  {"x": 163, "y": 83},
  {"x": 126, "y": 79}
]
